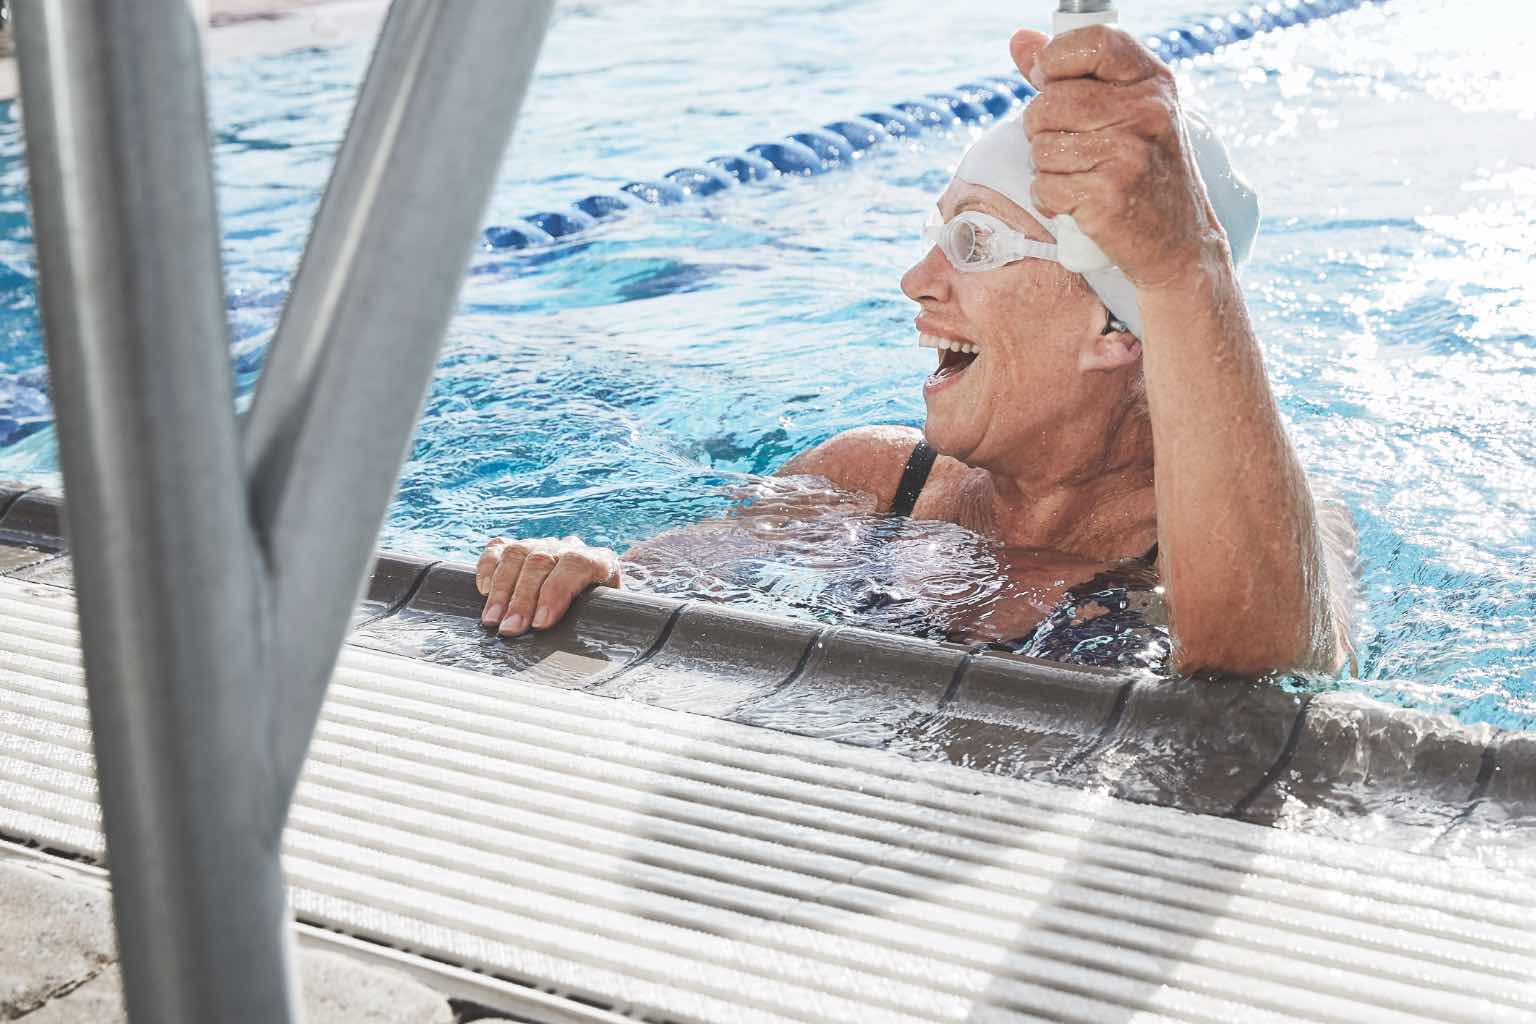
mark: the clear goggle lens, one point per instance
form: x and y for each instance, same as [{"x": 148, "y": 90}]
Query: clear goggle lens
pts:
[{"x": 977, "y": 241}]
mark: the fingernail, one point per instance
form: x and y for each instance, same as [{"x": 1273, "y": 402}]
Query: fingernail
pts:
[
  {"x": 492, "y": 615},
  {"x": 1035, "y": 76},
  {"x": 512, "y": 626},
  {"x": 541, "y": 618}
]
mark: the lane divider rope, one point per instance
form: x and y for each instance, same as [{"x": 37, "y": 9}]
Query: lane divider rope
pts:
[{"x": 842, "y": 143}]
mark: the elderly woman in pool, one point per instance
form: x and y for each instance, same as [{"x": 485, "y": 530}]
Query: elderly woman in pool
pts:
[{"x": 1055, "y": 389}]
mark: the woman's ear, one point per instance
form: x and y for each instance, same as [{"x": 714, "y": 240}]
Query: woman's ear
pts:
[{"x": 1109, "y": 350}]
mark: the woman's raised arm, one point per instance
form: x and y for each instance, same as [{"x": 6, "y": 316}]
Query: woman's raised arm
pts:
[{"x": 1241, "y": 554}]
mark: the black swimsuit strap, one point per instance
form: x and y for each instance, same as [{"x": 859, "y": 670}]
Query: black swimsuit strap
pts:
[
  {"x": 915, "y": 475},
  {"x": 919, "y": 464}
]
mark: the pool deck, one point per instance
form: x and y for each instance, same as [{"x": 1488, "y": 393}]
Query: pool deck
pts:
[{"x": 614, "y": 820}]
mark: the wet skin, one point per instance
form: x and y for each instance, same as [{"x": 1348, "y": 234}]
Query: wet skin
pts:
[{"x": 1047, "y": 437}]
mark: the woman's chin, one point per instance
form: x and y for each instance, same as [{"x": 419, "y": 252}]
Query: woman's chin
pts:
[{"x": 943, "y": 437}]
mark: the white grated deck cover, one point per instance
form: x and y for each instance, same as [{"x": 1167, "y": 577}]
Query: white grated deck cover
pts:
[{"x": 681, "y": 868}]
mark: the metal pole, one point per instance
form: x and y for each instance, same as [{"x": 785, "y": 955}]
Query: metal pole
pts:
[
  {"x": 349, "y": 368},
  {"x": 212, "y": 606},
  {"x": 166, "y": 571}
]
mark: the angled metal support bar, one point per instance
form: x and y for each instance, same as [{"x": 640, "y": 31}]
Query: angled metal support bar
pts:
[
  {"x": 213, "y": 602},
  {"x": 168, "y": 585},
  {"x": 358, "y": 341}
]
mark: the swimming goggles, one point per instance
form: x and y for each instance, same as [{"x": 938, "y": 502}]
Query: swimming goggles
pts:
[{"x": 979, "y": 241}]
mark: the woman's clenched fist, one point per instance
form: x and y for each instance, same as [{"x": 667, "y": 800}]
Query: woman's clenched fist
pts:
[{"x": 1110, "y": 149}]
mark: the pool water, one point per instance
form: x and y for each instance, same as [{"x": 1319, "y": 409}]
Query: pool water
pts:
[{"x": 643, "y": 376}]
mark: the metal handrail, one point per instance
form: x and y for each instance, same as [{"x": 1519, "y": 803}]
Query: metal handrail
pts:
[{"x": 216, "y": 572}]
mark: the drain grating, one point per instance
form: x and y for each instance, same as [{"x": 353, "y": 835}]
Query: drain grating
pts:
[{"x": 683, "y": 868}]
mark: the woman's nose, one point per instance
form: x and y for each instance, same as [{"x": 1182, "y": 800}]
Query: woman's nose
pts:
[{"x": 928, "y": 278}]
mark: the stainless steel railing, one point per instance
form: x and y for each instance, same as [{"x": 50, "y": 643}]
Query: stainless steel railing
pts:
[{"x": 217, "y": 567}]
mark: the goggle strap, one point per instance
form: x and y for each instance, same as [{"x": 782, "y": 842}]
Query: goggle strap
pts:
[{"x": 1035, "y": 250}]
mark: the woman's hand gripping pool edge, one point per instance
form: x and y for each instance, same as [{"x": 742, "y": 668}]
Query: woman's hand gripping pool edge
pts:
[{"x": 533, "y": 582}]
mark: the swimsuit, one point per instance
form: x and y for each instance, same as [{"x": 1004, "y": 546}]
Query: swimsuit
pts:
[{"x": 1115, "y": 619}]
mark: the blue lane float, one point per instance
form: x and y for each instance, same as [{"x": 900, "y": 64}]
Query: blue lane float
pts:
[
  {"x": 744, "y": 167},
  {"x": 788, "y": 157},
  {"x": 844, "y": 142}
]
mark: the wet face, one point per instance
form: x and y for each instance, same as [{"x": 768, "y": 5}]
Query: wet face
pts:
[{"x": 1028, "y": 322}]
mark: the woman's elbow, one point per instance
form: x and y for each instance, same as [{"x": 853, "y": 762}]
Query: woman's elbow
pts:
[
  {"x": 1243, "y": 655},
  {"x": 1227, "y": 638}
]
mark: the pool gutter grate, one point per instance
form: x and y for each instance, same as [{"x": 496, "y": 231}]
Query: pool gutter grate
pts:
[
  {"x": 691, "y": 869},
  {"x": 682, "y": 868}
]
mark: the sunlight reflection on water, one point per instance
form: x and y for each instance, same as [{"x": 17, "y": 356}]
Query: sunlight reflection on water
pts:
[{"x": 632, "y": 381}]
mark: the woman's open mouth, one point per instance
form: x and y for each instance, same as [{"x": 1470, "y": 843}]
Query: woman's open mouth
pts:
[{"x": 955, "y": 357}]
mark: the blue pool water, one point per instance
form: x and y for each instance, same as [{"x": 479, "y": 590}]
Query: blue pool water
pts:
[{"x": 637, "y": 379}]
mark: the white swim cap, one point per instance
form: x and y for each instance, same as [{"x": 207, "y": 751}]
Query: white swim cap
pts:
[{"x": 1001, "y": 160}]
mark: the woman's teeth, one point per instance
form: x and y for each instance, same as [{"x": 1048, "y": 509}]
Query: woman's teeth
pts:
[{"x": 934, "y": 341}]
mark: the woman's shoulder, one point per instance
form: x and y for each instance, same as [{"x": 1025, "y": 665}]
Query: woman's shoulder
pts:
[{"x": 869, "y": 460}]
